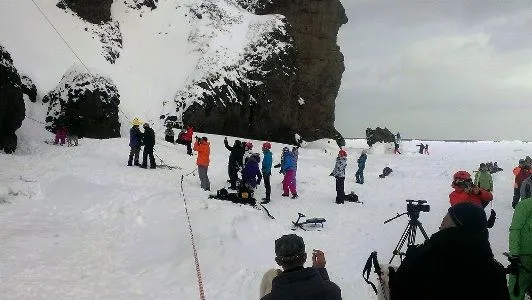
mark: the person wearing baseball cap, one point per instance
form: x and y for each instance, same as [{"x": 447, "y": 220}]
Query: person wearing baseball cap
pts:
[
  {"x": 296, "y": 281},
  {"x": 455, "y": 263}
]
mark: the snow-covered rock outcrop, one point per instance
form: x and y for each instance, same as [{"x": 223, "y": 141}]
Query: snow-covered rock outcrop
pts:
[
  {"x": 87, "y": 104},
  {"x": 12, "y": 107}
]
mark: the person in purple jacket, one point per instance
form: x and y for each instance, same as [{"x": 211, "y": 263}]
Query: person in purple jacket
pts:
[{"x": 251, "y": 175}]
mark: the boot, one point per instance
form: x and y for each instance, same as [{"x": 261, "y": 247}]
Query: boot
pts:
[
  {"x": 153, "y": 166},
  {"x": 295, "y": 196},
  {"x": 265, "y": 201},
  {"x": 137, "y": 163},
  {"x": 129, "y": 164},
  {"x": 285, "y": 195}
]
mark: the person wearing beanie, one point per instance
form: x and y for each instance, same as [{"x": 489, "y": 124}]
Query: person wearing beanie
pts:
[
  {"x": 454, "y": 263},
  {"x": 235, "y": 161},
  {"x": 339, "y": 174},
  {"x": 359, "y": 175},
  {"x": 483, "y": 178},
  {"x": 296, "y": 281},
  {"x": 148, "y": 138}
]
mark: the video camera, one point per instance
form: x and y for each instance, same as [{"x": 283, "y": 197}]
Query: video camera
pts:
[
  {"x": 464, "y": 184},
  {"x": 419, "y": 206}
]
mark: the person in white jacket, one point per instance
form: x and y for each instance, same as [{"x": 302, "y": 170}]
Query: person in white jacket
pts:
[{"x": 339, "y": 174}]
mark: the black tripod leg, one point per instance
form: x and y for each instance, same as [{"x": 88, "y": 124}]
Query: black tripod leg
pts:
[
  {"x": 422, "y": 230},
  {"x": 400, "y": 244}
]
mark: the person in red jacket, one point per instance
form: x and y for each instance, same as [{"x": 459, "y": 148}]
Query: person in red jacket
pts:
[
  {"x": 185, "y": 138},
  {"x": 466, "y": 191}
]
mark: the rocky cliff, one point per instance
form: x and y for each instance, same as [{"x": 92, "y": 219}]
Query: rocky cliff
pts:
[
  {"x": 290, "y": 90},
  {"x": 12, "y": 107}
]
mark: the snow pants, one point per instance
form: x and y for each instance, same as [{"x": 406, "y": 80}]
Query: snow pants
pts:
[
  {"x": 148, "y": 151},
  {"x": 232, "y": 170},
  {"x": 186, "y": 143},
  {"x": 525, "y": 280},
  {"x": 59, "y": 139},
  {"x": 134, "y": 154},
  {"x": 267, "y": 184},
  {"x": 289, "y": 184},
  {"x": 359, "y": 175},
  {"x": 204, "y": 178},
  {"x": 340, "y": 192}
]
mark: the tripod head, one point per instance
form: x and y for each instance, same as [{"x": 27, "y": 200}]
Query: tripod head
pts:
[{"x": 413, "y": 208}]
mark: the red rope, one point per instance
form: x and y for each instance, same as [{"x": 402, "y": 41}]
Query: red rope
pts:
[{"x": 196, "y": 259}]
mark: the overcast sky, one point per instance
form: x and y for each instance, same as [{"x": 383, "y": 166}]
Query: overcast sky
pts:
[{"x": 453, "y": 69}]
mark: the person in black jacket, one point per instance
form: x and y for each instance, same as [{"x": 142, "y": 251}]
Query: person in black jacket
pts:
[
  {"x": 455, "y": 263},
  {"x": 235, "y": 161},
  {"x": 297, "y": 282},
  {"x": 149, "y": 142}
]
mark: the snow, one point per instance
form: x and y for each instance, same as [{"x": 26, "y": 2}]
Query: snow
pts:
[{"x": 80, "y": 224}]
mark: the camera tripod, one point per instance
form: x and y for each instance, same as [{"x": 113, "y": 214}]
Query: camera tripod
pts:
[{"x": 409, "y": 235}]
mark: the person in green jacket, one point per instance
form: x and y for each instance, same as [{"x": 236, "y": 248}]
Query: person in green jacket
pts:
[
  {"x": 483, "y": 178},
  {"x": 520, "y": 243}
]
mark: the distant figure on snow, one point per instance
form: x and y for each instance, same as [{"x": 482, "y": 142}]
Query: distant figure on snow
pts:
[
  {"x": 421, "y": 148},
  {"x": 339, "y": 174},
  {"x": 396, "y": 148},
  {"x": 169, "y": 133},
  {"x": 203, "y": 148},
  {"x": 359, "y": 175},
  {"x": 149, "y": 142},
  {"x": 61, "y": 134},
  {"x": 427, "y": 149},
  {"x": 135, "y": 142},
  {"x": 385, "y": 172},
  {"x": 235, "y": 161},
  {"x": 483, "y": 178},
  {"x": 288, "y": 168},
  {"x": 267, "y": 170},
  {"x": 185, "y": 138}
]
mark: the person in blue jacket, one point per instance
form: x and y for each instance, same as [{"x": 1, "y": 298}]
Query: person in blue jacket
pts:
[
  {"x": 251, "y": 175},
  {"x": 361, "y": 166},
  {"x": 135, "y": 142},
  {"x": 288, "y": 168},
  {"x": 267, "y": 170}
]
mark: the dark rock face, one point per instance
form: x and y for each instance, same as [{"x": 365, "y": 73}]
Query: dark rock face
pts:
[
  {"x": 87, "y": 105},
  {"x": 297, "y": 92},
  {"x": 93, "y": 11},
  {"x": 12, "y": 107},
  {"x": 379, "y": 135}
]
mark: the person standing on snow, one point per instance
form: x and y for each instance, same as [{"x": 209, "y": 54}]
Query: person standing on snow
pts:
[
  {"x": 295, "y": 151},
  {"x": 267, "y": 170},
  {"x": 396, "y": 148},
  {"x": 521, "y": 173},
  {"x": 251, "y": 175},
  {"x": 466, "y": 191},
  {"x": 169, "y": 133},
  {"x": 483, "y": 178},
  {"x": 203, "y": 148},
  {"x": 149, "y": 142},
  {"x": 288, "y": 165},
  {"x": 186, "y": 139},
  {"x": 248, "y": 147},
  {"x": 454, "y": 263},
  {"x": 361, "y": 166},
  {"x": 339, "y": 174},
  {"x": 135, "y": 142},
  {"x": 520, "y": 244},
  {"x": 421, "y": 148},
  {"x": 426, "y": 149},
  {"x": 235, "y": 161}
]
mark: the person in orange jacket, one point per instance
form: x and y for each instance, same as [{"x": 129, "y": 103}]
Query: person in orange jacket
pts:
[
  {"x": 466, "y": 191},
  {"x": 521, "y": 172},
  {"x": 203, "y": 148}
]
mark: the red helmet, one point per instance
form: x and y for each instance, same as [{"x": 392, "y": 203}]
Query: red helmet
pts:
[
  {"x": 249, "y": 145},
  {"x": 342, "y": 153},
  {"x": 266, "y": 146},
  {"x": 462, "y": 175}
]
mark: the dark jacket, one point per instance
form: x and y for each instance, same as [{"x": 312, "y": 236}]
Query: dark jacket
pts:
[
  {"x": 237, "y": 154},
  {"x": 148, "y": 137},
  {"x": 251, "y": 174},
  {"x": 455, "y": 263},
  {"x": 135, "y": 137},
  {"x": 304, "y": 283},
  {"x": 362, "y": 161}
]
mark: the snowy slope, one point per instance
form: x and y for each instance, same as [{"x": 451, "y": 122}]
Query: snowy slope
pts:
[
  {"x": 161, "y": 51},
  {"x": 82, "y": 225}
]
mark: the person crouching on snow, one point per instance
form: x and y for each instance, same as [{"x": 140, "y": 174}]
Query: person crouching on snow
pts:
[
  {"x": 251, "y": 175},
  {"x": 466, "y": 191},
  {"x": 339, "y": 174}
]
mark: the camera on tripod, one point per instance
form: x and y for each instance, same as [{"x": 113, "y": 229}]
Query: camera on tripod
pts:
[{"x": 417, "y": 207}]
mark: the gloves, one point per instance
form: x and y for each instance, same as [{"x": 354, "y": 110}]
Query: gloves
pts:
[
  {"x": 281, "y": 172},
  {"x": 277, "y": 166}
]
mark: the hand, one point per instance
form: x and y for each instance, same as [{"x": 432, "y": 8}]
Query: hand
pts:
[
  {"x": 475, "y": 189},
  {"x": 318, "y": 259}
]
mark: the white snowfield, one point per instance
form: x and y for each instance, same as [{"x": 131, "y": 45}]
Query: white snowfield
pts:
[{"x": 80, "y": 224}]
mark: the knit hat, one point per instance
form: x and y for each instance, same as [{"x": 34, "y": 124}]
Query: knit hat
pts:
[
  {"x": 468, "y": 215},
  {"x": 289, "y": 247},
  {"x": 342, "y": 153}
]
